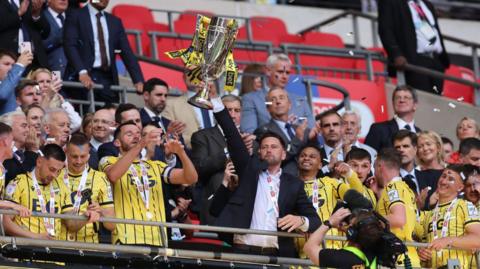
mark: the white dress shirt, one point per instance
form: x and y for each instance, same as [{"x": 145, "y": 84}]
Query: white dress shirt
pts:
[
  {"x": 404, "y": 173},
  {"x": 401, "y": 124},
  {"x": 282, "y": 124},
  {"x": 423, "y": 44},
  {"x": 55, "y": 16},
  {"x": 93, "y": 19},
  {"x": 198, "y": 112},
  {"x": 152, "y": 115}
]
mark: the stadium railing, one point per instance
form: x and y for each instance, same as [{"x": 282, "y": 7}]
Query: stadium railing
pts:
[{"x": 78, "y": 252}]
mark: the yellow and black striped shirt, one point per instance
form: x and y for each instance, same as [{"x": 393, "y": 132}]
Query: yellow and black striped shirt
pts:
[
  {"x": 129, "y": 204},
  {"x": 101, "y": 193},
  {"x": 463, "y": 214},
  {"x": 21, "y": 191}
]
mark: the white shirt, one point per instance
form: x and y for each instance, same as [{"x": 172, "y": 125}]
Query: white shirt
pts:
[
  {"x": 55, "y": 16},
  {"x": 404, "y": 173},
  {"x": 423, "y": 44},
  {"x": 93, "y": 19},
  {"x": 401, "y": 124},
  {"x": 282, "y": 124},
  {"x": 198, "y": 112},
  {"x": 151, "y": 114},
  {"x": 96, "y": 144}
]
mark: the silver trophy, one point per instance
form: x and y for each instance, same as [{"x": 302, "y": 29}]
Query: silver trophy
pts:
[{"x": 218, "y": 43}]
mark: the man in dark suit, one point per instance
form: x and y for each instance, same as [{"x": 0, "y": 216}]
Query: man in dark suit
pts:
[
  {"x": 266, "y": 198},
  {"x": 102, "y": 123},
  {"x": 55, "y": 15},
  {"x": 22, "y": 21},
  {"x": 410, "y": 33},
  {"x": 404, "y": 99},
  {"x": 295, "y": 136},
  {"x": 210, "y": 154},
  {"x": 92, "y": 39}
]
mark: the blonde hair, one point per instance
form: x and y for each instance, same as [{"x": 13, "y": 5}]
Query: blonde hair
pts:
[
  {"x": 477, "y": 128},
  {"x": 433, "y": 136},
  {"x": 33, "y": 74}
]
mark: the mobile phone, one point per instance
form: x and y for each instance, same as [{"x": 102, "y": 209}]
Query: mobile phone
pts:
[
  {"x": 56, "y": 75},
  {"x": 25, "y": 46}
]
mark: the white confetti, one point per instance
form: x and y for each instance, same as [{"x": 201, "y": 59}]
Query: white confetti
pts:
[
  {"x": 436, "y": 110},
  {"x": 452, "y": 105},
  {"x": 295, "y": 80},
  {"x": 460, "y": 99},
  {"x": 350, "y": 52},
  {"x": 383, "y": 109},
  {"x": 435, "y": 89},
  {"x": 268, "y": 103},
  {"x": 350, "y": 34}
]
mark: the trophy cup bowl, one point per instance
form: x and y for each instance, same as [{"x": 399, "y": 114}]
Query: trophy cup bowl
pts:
[{"x": 214, "y": 49}]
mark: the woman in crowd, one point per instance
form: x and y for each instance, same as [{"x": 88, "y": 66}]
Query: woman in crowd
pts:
[
  {"x": 430, "y": 151},
  {"x": 252, "y": 81}
]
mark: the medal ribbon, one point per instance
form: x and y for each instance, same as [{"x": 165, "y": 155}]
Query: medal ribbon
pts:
[
  {"x": 81, "y": 186},
  {"x": 142, "y": 187},
  {"x": 446, "y": 220},
  {"x": 48, "y": 222},
  {"x": 315, "y": 194}
]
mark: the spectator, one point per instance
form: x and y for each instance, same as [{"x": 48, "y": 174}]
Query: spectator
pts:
[
  {"x": 57, "y": 127},
  {"x": 361, "y": 163},
  {"x": 55, "y": 15},
  {"x": 24, "y": 149},
  {"x": 294, "y": 136},
  {"x": 87, "y": 124},
  {"x": 254, "y": 109},
  {"x": 128, "y": 199},
  {"x": 404, "y": 100},
  {"x": 50, "y": 87},
  {"x": 27, "y": 93},
  {"x": 96, "y": 63},
  {"x": 43, "y": 179},
  {"x": 467, "y": 127},
  {"x": 430, "y": 151},
  {"x": 10, "y": 73},
  {"x": 352, "y": 123},
  {"x": 397, "y": 200},
  {"x": 461, "y": 225},
  {"x": 410, "y": 34},
  {"x": 259, "y": 179},
  {"x": 103, "y": 125},
  {"x": 209, "y": 155},
  {"x": 472, "y": 184},
  {"x": 470, "y": 151},
  {"x": 331, "y": 127},
  {"x": 447, "y": 146},
  {"x": 252, "y": 79},
  {"x": 35, "y": 114},
  {"x": 23, "y": 22}
]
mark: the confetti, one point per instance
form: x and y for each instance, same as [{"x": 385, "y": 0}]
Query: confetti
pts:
[
  {"x": 435, "y": 89},
  {"x": 460, "y": 99},
  {"x": 452, "y": 105},
  {"x": 350, "y": 34},
  {"x": 436, "y": 110},
  {"x": 268, "y": 103},
  {"x": 295, "y": 80},
  {"x": 383, "y": 109},
  {"x": 350, "y": 52}
]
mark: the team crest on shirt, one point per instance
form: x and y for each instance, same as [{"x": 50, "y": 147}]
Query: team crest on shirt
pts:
[
  {"x": 10, "y": 190},
  {"x": 472, "y": 210},
  {"x": 393, "y": 195}
]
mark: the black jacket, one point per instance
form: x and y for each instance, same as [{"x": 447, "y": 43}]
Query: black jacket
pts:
[{"x": 381, "y": 134}]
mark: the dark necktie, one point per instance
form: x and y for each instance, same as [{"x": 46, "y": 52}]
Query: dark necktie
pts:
[
  {"x": 206, "y": 118},
  {"x": 290, "y": 132},
  {"x": 407, "y": 127},
  {"x": 20, "y": 155},
  {"x": 26, "y": 35},
  {"x": 101, "y": 42},
  {"x": 156, "y": 119},
  {"x": 61, "y": 18},
  {"x": 409, "y": 180}
]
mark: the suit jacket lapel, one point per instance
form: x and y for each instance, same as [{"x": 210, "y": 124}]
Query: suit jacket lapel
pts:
[
  {"x": 108, "y": 19},
  {"x": 218, "y": 137},
  {"x": 278, "y": 130},
  {"x": 393, "y": 126}
]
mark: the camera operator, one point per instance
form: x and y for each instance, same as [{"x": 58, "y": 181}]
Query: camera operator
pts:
[{"x": 364, "y": 231}]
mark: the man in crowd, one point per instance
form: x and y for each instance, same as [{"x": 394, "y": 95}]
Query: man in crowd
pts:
[
  {"x": 142, "y": 199},
  {"x": 361, "y": 163},
  {"x": 457, "y": 236},
  {"x": 295, "y": 137},
  {"x": 11, "y": 70},
  {"x": 397, "y": 200},
  {"x": 331, "y": 128},
  {"x": 57, "y": 127},
  {"x": 352, "y": 124},
  {"x": 42, "y": 191},
  {"x": 103, "y": 124},
  {"x": 89, "y": 189},
  {"x": 24, "y": 152},
  {"x": 254, "y": 107},
  {"x": 28, "y": 92},
  {"x": 404, "y": 101},
  {"x": 260, "y": 200},
  {"x": 410, "y": 34},
  {"x": 470, "y": 151},
  {"x": 210, "y": 154},
  {"x": 92, "y": 38},
  {"x": 23, "y": 22},
  {"x": 55, "y": 15}
]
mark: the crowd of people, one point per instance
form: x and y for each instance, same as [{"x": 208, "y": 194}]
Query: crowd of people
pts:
[{"x": 256, "y": 161}]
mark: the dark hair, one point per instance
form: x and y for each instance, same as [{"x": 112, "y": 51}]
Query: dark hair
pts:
[
  {"x": 390, "y": 157},
  {"x": 23, "y": 84},
  {"x": 274, "y": 135},
  {"x": 329, "y": 112},
  {"x": 250, "y": 72},
  {"x": 408, "y": 89},
  {"x": 109, "y": 106},
  {"x": 150, "y": 84},
  {"x": 5, "y": 128},
  {"x": 358, "y": 154},
  {"x": 32, "y": 106},
  {"x": 369, "y": 228},
  {"x": 122, "y": 108},
  {"x": 459, "y": 169},
  {"x": 87, "y": 119},
  {"x": 446, "y": 140},
  {"x": 402, "y": 134},
  {"x": 53, "y": 151},
  {"x": 78, "y": 139},
  {"x": 467, "y": 144},
  {"x": 470, "y": 170},
  {"x": 4, "y": 52},
  {"x": 119, "y": 128}
]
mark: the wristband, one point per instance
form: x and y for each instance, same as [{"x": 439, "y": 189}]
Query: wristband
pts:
[{"x": 328, "y": 224}]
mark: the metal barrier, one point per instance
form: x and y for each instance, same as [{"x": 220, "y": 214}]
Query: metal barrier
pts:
[
  {"x": 164, "y": 251},
  {"x": 346, "y": 96}
]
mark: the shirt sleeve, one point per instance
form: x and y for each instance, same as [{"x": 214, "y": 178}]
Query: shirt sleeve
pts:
[
  {"x": 13, "y": 191},
  {"x": 165, "y": 171},
  {"x": 106, "y": 162},
  {"x": 471, "y": 214},
  {"x": 105, "y": 191}
]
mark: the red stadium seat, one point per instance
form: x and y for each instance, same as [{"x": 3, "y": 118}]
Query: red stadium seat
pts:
[
  {"x": 172, "y": 77},
  {"x": 267, "y": 29},
  {"x": 323, "y": 39},
  {"x": 456, "y": 90},
  {"x": 185, "y": 24},
  {"x": 132, "y": 13},
  {"x": 378, "y": 66}
]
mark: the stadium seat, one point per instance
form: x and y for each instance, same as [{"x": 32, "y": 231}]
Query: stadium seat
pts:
[
  {"x": 132, "y": 13},
  {"x": 378, "y": 66},
  {"x": 459, "y": 91},
  {"x": 185, "y": 24},
  {"x": 268, "y": 29},
  {"x": 172, "y": 77}
]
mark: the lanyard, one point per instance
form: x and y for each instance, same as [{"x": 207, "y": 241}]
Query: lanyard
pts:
[
  {"x": 315, "y": 194},
  {"x": 48, "y": 222},
  {"x": 142, "y": 187},
  {"x": 81, "y": 186},
  {"x": 446, "y": 220},
  {"x": 273, "y": 194}
]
